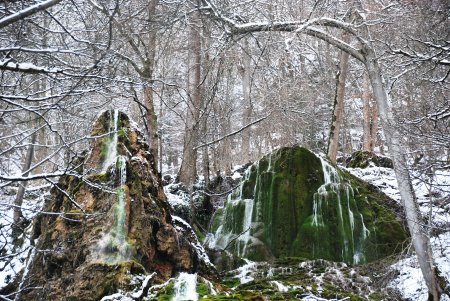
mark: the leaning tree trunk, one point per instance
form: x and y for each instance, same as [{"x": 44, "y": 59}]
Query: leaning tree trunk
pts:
[
  {"x": 367, "y": 133},
  {"x": 338, "y": 106},
  {"x": 419, "y": 238},
  {"x": 373, "y": 126},
  {"x": 18, "y": 223}
]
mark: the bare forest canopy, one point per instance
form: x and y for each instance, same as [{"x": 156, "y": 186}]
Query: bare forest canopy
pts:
[
  {"x": 220, "y": 83},
  {"x": 182, "y": 72}
]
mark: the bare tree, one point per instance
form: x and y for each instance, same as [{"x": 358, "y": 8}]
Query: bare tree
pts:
[
  {"x": 338, "y": 105},
  {"x": 366, "y": 55}
]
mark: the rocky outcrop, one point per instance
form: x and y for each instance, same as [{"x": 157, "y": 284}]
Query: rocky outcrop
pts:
[
  {"x": 295, "y": 204},
  {"x": 364, "y": 159},
  {"x": 108, "y": 223}
]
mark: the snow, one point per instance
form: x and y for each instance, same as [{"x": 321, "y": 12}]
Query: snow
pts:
[
  {"x": 176, "y": 200},
  {"x": 410, "y": 281},
  {"x": 136, "y": 294},
  {"x": 116, "y": 297},
  {"x": 236, "y": 175},
  {"x": 8, "y": 64},
  {"x": 13, "y": 260},
  {"x": 201, "y": 252}
]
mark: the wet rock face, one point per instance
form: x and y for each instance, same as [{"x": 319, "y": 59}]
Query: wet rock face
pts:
[
  {"x": 293, "y": 204},
  {"x": 109, "y": 224}
]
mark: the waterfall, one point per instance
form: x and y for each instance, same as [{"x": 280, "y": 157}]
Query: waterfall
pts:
[
  {"x": 229, "y": 234},
  {"x": 111, "y": 155},
  {"x": 120, "y": 210},
  {"x": 336, "y": 198},
  {"x": 245, "y": 237},
  {"x": 114, "y": 246},
  {"x": 185, "y": 287}
]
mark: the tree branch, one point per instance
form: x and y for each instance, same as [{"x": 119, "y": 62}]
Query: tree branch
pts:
[
  {"x": 27, "y": 12},
  {"x": 232, "y": 133}
]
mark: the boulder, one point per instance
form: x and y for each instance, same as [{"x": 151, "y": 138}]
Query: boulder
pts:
[
  {"x": 293, "y": 203},
  {"x": 364, "y": 159}
]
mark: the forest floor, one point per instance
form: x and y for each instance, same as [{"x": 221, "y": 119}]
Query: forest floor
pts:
[{"x": 433, "y": 202}]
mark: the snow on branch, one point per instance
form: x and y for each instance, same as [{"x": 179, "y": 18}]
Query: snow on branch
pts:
[
  {"x": 308, "y": 27},
  {"x": 233, "y": 133},
  {"x": 22, "y": 14},
  {"x": 10, "y": 65},
  {"x": 32, "y": 177}
]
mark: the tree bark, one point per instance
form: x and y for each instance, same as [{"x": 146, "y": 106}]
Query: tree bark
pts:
[
  {"x": 152, "y": 121},
  {"x": 367, "y": 134},
  {"x": 338, "y": 106},
  {"x": 17, "y": 227},
  {"x": 147, "y": 72},
  {"x": 188, "y": 169},
  {"x": 246, "y": 82},
  {"x": 374, "y": 126},
  {"x": 419, "y": 238}
]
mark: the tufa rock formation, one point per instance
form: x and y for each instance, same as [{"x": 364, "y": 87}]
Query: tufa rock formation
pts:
[
  {"x": 364, "y": 159},
  {"x": 107, "y": 223},
  {"x": 294, "y": 204}
]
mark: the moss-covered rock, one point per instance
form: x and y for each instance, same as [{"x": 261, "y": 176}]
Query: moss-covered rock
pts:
[
  {"x": 291, "y": 203},
  {"x": 364, "y": 159},
  {"x": 110, "y": 224}
]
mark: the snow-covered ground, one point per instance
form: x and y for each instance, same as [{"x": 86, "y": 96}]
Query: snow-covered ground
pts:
[
  {"x": 410, "y": 281},
  {"x": 13, "y": 260}
]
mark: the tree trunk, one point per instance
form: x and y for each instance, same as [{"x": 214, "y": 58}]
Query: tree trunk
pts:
[
  {"x": 150, "y": 116},
  {"x": 246, "y": 82},
  {"x": 367, "y": 134},
  {"x": 152, "y": 121},
  {"x": 374, "y": 126},
  {"x": 338, "y": 107},
  {"x": 188, "y": 169},
  {"x": 206, "y": 171},
  {"x": 18, "y": 222},
  {"x": 419, "y": 238}
]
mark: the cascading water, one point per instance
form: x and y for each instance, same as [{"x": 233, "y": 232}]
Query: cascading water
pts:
[
  {"x": 336, "y": 198},
  {"x": 185, "y": 287},
  {"x": 228, "y": 236},
  {"x": 293, "y": 204},
  {"x": 111, "y": 155},
  {"x": 114, "y": 247}
]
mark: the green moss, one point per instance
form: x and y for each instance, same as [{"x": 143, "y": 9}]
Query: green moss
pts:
[
  {"x": 165, "y": 294},
  {"x": 101, "y": 177},
  {"x": 201, "y": 237},
  {"x": 104, "y": 142},
  {"x": 235, "y": 296},
  {"x": 230, "y": 282},
  {"x": 375, "y": 296},
  {"x": 217, "y": 220},
  {"x": 202, "y": 289},
  {"x": 356, "y": 222},
  {"x": 122, "y": 133}
]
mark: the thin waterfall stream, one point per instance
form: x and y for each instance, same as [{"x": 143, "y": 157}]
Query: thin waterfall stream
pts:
[
  {"x": 114, "y": 246},
  {"x": 185, "y": 287},
  {"x": 338, "y": 196}
]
